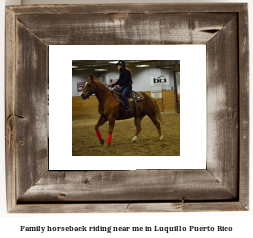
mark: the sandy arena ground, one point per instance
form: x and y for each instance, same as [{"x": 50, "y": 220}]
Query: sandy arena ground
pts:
[{"x": 86, "y": 143}]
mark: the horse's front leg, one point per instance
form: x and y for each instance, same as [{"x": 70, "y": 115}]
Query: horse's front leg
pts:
[
  {"x": 111, "y": 119},
  {"x": 100, "y": 122}
]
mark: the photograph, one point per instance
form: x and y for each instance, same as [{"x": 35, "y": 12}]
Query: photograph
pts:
[
  {"x": 127, "y": 108},
  {"x": 131, "y": 106}
]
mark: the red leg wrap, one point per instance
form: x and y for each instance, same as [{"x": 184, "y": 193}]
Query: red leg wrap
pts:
[
  {"x": 109, "y": 140},
  {"x": 98, "y": 135}
]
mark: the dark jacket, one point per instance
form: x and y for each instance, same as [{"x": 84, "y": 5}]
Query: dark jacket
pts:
[{"x": 124, "y": 78}]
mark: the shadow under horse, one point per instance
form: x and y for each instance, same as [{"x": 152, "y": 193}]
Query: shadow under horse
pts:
[{"x": 110, "y": 109}]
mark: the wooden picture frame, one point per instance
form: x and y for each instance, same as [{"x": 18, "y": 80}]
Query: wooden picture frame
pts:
[{"x": 222, "y": 186}]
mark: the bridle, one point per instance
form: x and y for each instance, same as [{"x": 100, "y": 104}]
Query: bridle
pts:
[{"x": 86, "y": 96}]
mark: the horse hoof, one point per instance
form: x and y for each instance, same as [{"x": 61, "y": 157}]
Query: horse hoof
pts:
[
  {"x": 102, "y": 142},
  {"x": 106, "y": 146},
  {"x": 161, "y": 137},
  {"x": 134, "y": 139}
]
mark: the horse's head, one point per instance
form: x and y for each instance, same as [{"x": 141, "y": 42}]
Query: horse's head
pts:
[{"x": 89, "y": 88}]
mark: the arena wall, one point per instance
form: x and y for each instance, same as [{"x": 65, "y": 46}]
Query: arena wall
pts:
[
  {"x": 141, "y": 77},
  {"x": 89, "y": 107}
]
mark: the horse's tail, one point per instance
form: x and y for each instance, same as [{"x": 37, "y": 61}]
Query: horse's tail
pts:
[{"x": 158, "y": 112}]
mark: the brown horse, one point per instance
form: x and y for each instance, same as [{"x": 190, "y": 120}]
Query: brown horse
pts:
[{"x": 109, "y": 109}]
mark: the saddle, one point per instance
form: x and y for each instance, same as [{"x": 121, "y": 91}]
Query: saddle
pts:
[{"x": 133, "y": 96}]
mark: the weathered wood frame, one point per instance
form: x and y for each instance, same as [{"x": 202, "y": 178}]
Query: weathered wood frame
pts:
[{"x": 223, "y": 186}]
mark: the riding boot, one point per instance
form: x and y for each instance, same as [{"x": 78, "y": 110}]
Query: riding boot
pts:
[{"x": 127, "y": 110}]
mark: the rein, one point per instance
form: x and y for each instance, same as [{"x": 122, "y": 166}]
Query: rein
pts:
[{"x": 106, "y": 90}]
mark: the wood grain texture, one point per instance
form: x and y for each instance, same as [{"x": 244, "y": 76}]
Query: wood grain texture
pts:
[
  {"x": 153, "y": 8},
  {"x": 70, "y": 208},
  {"x": 244, "y": 106},
  {"x": 141, "y": 185},
  {"x": 223, "y": 186},
  {"x": 223, "y": 107},
  {"x": 129, "y": 207},
  {"x": 30, "y": 109},
  {"x": 121, "y": 29},
  {"x": 186, "y": 207},
  {"x": 10, "y": 65}
]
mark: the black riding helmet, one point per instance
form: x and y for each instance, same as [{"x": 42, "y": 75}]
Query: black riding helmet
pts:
[{"x": 121, "y": 62}]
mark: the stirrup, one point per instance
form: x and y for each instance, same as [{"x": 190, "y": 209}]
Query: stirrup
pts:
[{"x": 127, "y": 110}]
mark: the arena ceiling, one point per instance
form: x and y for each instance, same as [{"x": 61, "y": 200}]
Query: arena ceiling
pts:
[{"x": 96, "y": 64}]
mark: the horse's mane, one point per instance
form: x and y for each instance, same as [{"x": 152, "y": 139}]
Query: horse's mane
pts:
[{"x": 99, "y": 83}]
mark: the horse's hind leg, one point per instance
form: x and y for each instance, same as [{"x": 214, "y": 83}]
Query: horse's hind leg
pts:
[
  {"x": 100, "y": 122},
  {"x": 157, "y": 124},
  {"x": 138, "y": 126},
  {"x": 151, "y": 108}
]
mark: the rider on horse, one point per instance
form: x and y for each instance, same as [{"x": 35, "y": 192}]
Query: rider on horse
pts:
[{"x": 125, "y": 83}]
